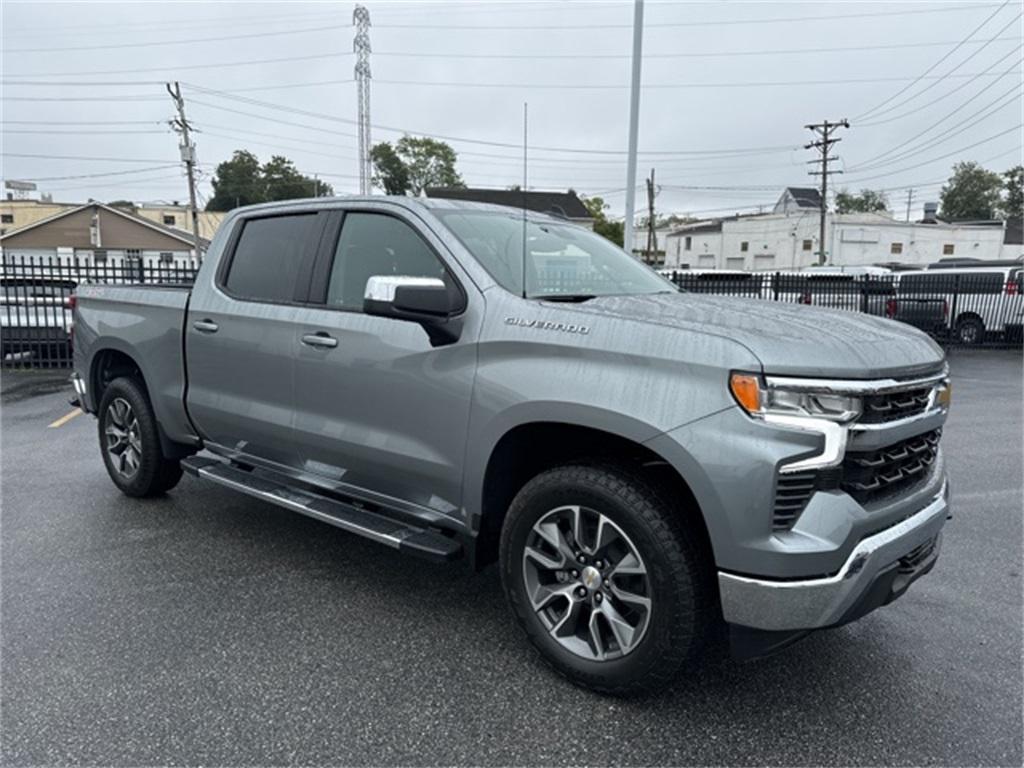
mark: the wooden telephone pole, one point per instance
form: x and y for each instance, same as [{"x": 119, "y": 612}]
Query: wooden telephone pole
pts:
[
  {"x": 188, "y": 157},
  {"x": 824, "y": 144}
]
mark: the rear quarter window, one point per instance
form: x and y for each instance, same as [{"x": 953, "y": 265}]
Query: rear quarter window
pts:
[{"x": 266, "y": 260}]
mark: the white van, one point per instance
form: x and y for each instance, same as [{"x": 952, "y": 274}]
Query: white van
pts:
[{"x": 981, "y": 302}]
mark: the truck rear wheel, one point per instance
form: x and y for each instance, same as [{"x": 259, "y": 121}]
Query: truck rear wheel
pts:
[
  {"x": 130, "y": 442},
  {"x": 609, "y": 585}
]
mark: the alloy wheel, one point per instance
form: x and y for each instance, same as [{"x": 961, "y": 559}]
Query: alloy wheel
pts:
[
  {"x": 587, "y": 583},
  {"x": 124, "y": 443}
]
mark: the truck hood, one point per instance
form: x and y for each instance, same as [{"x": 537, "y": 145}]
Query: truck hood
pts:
[{"x": 791, "y": 339}]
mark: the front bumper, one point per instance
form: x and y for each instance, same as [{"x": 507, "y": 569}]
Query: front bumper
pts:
[{"x": 861, "y": 584}]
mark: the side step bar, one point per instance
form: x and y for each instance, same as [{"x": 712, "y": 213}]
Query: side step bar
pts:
[{"x": 401, "y": 536}]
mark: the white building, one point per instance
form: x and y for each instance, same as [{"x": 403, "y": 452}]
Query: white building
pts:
[{"x": 788, "y": 239}]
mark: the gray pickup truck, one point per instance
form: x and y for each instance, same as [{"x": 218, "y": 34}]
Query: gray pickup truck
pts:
[{"x": 652, "y": 469}]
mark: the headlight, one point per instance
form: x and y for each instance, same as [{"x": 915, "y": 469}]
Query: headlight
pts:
[{"x": 759, "y": 400}]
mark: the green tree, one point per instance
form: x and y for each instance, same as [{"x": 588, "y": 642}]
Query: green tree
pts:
[
  {"x": 389, "y": 172},
  {"x": 237, "y": 182},
  {"x": 972, "y": 192},
  {"x": 282, "y": 181},
  {"x": 865, "y": 201},
  {"x": 243, "y": 181},
  {"x": 122, "y": 204},
  {"x": 612, "y": 230},
  {"x": 1013, "y": 203},
  {"x": 414, "y": 163}
]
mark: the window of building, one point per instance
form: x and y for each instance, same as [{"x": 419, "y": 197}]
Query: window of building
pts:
[
  {"x": 373, "y": 244},
  {"x": 265, "y": 264},
  {"x": 896, "y": 249},
  {"x": 133, "y": 253},
  {"x": 808, "y": 245},
  {"x": 100, "y": 257},
  {"x": 744, "y": 246},
  {"x": 688, "y": 243},
  {"x": 947, "y": 249},
  {"x": 170, "y": 220},
  {"x": 6, "y": 218},
  {"x": 166, "y": 257}
]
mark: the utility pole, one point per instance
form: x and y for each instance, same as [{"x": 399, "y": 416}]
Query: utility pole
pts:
[
  {"x": 188, "y": 157},
  {"x": 824, "y": 144},
  {"x": 652, "y": 242},
  {"x": 634, "y": 123},
  {"x": 910, "y": 198},
  {"x": 361, "y": 46}
]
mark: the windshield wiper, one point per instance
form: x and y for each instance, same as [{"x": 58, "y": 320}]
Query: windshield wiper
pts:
[{"x": 572, "y": 298}]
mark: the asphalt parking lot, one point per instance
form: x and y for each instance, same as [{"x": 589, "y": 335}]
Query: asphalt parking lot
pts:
[{"x": 208, "y": 628}]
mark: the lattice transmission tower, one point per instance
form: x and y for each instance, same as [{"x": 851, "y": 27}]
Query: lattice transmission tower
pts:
[{"x": 361, "y": 46}]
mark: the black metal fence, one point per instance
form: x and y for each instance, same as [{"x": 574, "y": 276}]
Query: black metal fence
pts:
[
  {"x": 975, "y": 309},
  {"x": 36, "y": 302},
  {"x": 967, "y": 308}
]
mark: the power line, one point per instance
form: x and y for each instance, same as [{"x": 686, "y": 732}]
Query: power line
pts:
[
  {"x": 946, "y": 156},
  {"x": 182, "y": 41},
  {"x": 99, "y": 175},
  {"x": 676, "y": 55},
  {"x": 893, "y": 156},
  {"x": 667, "y": 86},
  {"x": 677, "y": 24},
  {"x": 340, "y": 54},
  {"x": 918, "y": 109},
  {"x": 573, "y": 150},
  {"x": 80, "y": 157},
  {"x": 877, "y": 107}
]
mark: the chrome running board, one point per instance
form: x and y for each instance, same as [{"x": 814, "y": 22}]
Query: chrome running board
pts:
[{"x": 349, "y": 517}]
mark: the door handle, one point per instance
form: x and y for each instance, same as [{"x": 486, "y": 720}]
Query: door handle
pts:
[
  {"x": 205, "y": 326},
  {"x": 319, "y": 339}
]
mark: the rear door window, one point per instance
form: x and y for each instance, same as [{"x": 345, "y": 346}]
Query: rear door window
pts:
[{"x": 267, "y": 259}]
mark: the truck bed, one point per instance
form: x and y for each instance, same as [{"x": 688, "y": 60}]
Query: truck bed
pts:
[{"x": 145, "y": 322}]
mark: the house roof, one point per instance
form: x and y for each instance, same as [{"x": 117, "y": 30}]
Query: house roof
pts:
[
  {"x": 805, "y": 197},
  {"x": 555, "y": 203},
  {"x": 70, "y": 228}
]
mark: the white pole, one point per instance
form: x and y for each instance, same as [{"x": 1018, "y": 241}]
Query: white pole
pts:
[{"x": 634, "y": 121}]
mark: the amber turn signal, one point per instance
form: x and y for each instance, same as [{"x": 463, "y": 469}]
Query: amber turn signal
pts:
[
  {"x": 747, "y": 391},
  {"x": 945, "y": 395}
]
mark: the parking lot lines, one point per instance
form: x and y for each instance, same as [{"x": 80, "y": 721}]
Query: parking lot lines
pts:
[{"x": 65, "y": 418}]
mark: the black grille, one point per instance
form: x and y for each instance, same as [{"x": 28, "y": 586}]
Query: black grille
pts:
[
  {"x": 911, "y": 561},
  {"x": 792, "y": 492},
  {"x": 872, "y": 475},
  {"x": 895, "y": 405}
]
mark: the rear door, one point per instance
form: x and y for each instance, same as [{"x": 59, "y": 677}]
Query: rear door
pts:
[
  {"x": 241, "y": 337},
  {"x": 380, "y": 412}
]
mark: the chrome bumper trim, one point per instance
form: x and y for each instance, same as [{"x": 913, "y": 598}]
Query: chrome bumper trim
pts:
[
  {"x": 78, "y": 383},
  {"x": 854, "y": 386},
  {"x": 814, "y": 603}
]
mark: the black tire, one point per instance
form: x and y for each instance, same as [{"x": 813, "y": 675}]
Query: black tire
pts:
[
  {"x": 153, "y": 474},
  {"x": 970, "y": 330},
  {"x": 683, "y": 614}
]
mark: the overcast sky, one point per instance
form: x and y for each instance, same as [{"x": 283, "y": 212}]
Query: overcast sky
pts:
[{"x": 727, "y": 90}]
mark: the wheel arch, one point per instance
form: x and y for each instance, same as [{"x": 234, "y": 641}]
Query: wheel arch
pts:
[
  {"x": 528, "y": 448},
  {"x": 113, "y": 359}
]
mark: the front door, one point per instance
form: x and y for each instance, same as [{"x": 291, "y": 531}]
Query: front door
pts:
[
  {"x": 241, "y": 338},
  {"x": 380, "y": 411}
]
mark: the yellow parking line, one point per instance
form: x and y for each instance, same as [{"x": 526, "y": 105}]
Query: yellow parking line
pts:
[{"x": 65, "y": 419}]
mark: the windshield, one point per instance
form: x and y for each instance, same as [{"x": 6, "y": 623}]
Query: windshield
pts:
[{"x": 562, "y": 260}]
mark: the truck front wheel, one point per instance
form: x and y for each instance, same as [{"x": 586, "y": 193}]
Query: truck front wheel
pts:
[
  {"x": 610, "y": 586},
  {"x": 130, "y": 442}
]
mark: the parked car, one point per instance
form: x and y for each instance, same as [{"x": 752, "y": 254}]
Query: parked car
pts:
[
  {"x": 979, "y": 301},
  {"x": 35, "y": 317},
  {"x": 646, "y": 465}
]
